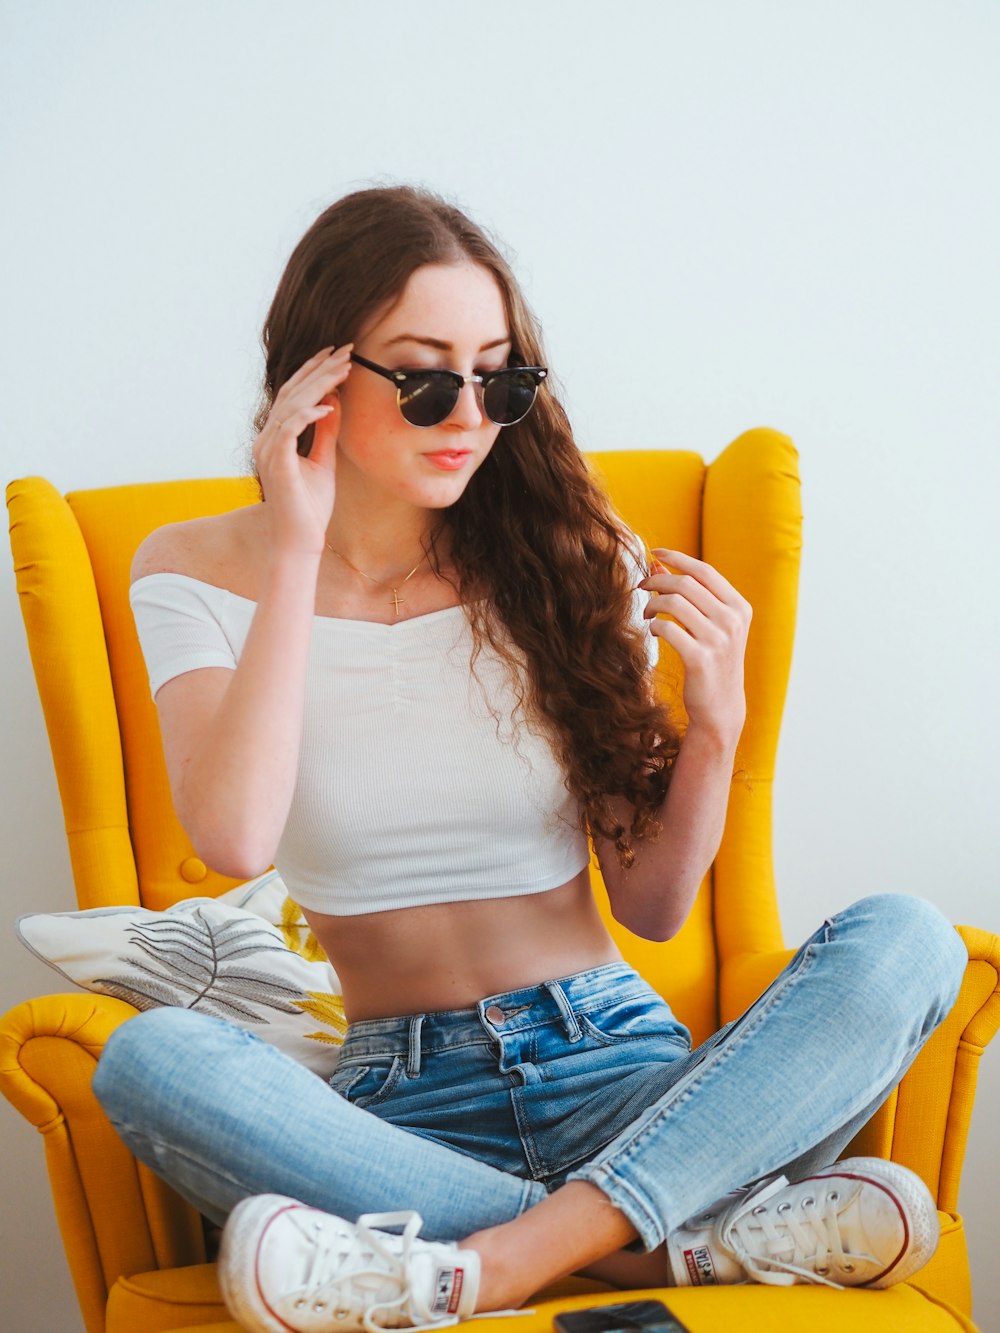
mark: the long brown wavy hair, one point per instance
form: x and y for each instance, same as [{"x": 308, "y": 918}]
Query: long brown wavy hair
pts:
[{"x": 553, "y": 566}]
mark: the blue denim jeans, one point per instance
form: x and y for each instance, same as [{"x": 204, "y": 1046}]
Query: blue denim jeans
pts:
[{"x": 471, "y": 1116}]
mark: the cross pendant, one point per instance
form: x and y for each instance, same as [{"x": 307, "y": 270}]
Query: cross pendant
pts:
[{"x": 395, "y": 600}]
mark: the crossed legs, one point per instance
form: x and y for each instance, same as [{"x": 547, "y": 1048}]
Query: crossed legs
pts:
[{"x": 222, "y": 1116}]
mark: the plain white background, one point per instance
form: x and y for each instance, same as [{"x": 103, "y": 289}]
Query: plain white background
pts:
[{"x": 726, "y": 214}]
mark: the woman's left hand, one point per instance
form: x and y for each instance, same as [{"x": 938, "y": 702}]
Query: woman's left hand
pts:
[{"x": 709, "y": 633}]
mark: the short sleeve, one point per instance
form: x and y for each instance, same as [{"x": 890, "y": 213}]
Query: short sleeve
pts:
[{"x": 179, "y": 621}]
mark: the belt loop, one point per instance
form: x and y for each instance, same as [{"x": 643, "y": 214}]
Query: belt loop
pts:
[
  {"x": 413, "y": 1053},
  {"x": 566, "y": 1010}
]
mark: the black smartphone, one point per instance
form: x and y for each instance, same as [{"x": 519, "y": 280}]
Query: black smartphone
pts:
[{"x": 652, "y": 1315}]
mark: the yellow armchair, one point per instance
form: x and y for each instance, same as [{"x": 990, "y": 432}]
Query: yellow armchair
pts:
[{"x": 138, "y": 1254}]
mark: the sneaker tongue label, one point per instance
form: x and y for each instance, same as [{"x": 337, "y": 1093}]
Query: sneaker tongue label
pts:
[
  {"x": 448, "y": 1290},
  {"x": 701, "y": 1269}
]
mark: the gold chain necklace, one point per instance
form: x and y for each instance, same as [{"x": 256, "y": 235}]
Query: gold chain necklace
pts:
[{"x": 397, "y": 601}]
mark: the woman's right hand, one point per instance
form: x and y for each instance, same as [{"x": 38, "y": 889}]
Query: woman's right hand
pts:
[{"x": 300, "y": 491}]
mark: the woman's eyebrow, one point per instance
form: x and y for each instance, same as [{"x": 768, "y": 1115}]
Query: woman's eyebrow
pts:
[{"x": 439, "y": 344}]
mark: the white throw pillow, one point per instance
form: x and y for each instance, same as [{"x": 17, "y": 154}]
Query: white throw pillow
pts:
[{"x": 247, "y": 956}]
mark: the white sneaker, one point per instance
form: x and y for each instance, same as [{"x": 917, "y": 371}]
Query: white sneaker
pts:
[
  {"x": 863, "y": 1222},
  {"x": 285, "y": 1266}
]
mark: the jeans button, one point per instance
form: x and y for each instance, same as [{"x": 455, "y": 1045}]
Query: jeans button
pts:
[{"x": 495, "y": 1014}]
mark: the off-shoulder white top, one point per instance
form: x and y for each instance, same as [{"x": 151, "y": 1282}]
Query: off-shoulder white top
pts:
[{"x": 419, "y": 780}]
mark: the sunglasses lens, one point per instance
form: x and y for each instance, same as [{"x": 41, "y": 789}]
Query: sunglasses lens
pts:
[
  {"x": 509, "y": 396},
  {"x": 426, "y": 400}
]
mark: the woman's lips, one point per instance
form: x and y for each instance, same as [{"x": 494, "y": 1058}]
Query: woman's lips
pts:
[{"x": 448, "y": 460}]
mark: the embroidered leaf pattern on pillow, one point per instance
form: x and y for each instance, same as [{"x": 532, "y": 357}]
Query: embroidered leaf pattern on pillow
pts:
[
  {"x": 328, "y": 1009},
  {"x": 195, "y": 963},
  {"x": 297, "y": 935}
]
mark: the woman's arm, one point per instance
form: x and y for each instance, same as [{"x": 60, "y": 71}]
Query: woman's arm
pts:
[
  {"x": 231, "y": 737},
  {"x": 708, "y": 630}
]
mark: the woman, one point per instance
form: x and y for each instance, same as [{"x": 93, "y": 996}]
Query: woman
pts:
[{"x": 416, "y": 678}]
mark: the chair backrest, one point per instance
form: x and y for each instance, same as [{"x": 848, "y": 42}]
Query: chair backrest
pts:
[{"x": 72, "y": 556}]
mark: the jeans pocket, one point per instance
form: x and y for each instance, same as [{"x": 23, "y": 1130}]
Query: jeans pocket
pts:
[
  {"x": 367, "y": 1085},
  {"x": 634, "y": 1017}
]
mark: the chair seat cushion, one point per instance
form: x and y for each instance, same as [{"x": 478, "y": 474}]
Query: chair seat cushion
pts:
[
  {"x": 166, "y": 1298},
  {"x": 188, "y": 1298}
]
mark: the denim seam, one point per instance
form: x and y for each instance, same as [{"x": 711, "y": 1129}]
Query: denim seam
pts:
[
  {"x": 365, "y": 1053},
  {"x": 595, "y": 1032},
  {"x": 358, "y": 1072},
  {"x": 628, "y": 1201},
  {"x": 570, "y": 1022},
  {"x": 531, "y": 1152},
  {"x": 631, "y": 1142},
  {"x": 592, "y": 1005},
  {"x": 386, "y": 1088},
  {"x": 645, "y": 993},
  {"x": 589, "y": 1006}
]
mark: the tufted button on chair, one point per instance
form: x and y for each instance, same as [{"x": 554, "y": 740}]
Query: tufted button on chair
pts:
[{"x": 139, "y": 1255}]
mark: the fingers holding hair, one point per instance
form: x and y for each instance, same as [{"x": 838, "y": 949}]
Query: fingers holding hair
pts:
[
  {"x": 700, "y": 614},
  {"x": 694, "y": 577},
  {"x": 315, "y": 363},
  {"x": 312, "y": 383},
  {"x": 306, "y": 399}
]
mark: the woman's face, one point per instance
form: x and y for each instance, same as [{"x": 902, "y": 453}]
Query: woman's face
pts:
[{"x": 449, "y": 317}]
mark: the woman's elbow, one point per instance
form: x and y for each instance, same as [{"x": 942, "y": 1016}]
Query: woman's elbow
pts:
[
  {"x": 655, "y": 922},
  {"x": 234, "y": 852},
  {"x": 650, "y": 908},
  {"x": 237, "y": 866}
]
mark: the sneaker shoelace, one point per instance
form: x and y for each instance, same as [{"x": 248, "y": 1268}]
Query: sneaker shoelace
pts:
[
  {"x": 362, "y": 1267},
  {"x": 777, "y": 1244},
  {"x": 358, "y": 1280}
]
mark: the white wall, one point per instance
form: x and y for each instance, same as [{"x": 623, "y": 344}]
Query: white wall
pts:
[{"x": 728, "y": 214}]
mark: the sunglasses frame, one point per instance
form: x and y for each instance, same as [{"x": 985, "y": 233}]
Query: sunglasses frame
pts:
[{"x": 401, "y": 377}]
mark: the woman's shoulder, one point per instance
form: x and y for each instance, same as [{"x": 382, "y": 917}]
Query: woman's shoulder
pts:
[{"x": 217, "y": 549}]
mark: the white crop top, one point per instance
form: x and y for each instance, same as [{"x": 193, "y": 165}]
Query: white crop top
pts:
[{"x": 418, "y": 781}]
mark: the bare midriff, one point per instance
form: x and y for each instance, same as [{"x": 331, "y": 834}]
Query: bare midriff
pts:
[{"x": 450, "y": 955}]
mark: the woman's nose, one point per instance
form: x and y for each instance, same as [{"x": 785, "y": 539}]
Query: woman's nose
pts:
[{"x": 468, "y": 413}]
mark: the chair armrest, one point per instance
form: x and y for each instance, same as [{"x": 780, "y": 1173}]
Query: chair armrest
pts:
[
  {"x": 925, "y": 1123},
  {"x": 928, "y": 1128},
  {"x": 115, "y": 1216}
]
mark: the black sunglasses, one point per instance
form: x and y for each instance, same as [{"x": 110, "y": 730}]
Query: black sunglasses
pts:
[{"x": 428, "y": 397}]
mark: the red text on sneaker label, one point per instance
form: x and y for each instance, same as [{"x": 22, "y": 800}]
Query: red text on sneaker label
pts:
[
  {"x": 700, "y": 1268},
  {"x": 448, "y": 1290}
]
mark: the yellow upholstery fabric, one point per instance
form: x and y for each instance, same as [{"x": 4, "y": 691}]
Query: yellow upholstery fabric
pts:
[
  {"x": 144, "y": 1301},
  {"x": 136, "y": 1251},
  {"x": 72, "y": 558},
  {"x": 755, "y": 1309}
]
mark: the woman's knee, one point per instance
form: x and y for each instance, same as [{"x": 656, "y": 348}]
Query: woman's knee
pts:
[
  {"x": 915, "y": 940},
  {"x": 144, "y": 1053}
]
